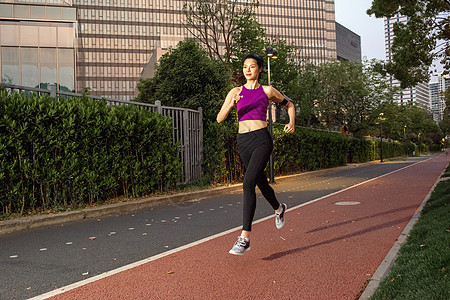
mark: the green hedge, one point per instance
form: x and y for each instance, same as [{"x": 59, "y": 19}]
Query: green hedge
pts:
[
  {"x": 308, "y": 149},
  {"x": 80, "y": 151},
  {"x": 304, "y": 150}
]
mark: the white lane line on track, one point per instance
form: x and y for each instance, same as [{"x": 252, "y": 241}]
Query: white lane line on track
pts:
[{"x": 196, "y": 243}]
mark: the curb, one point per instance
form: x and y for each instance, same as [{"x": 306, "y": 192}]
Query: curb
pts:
[
  {"x": 388, "y": 262},
  {"x": 10, "y": 226}
]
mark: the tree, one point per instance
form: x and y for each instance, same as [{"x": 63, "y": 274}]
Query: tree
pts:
[
  {"x": 423, "y": 38},
  {"x": 187, "y": 77},
  {"x": 249, "y": 38},
  {"x": 214, "y": 23},
  {"x": 347, "y": 99},
  {"x": 305, "y": 90},
  {"x": 445, "y": 123},
  {"x": 392, "y": 121}
]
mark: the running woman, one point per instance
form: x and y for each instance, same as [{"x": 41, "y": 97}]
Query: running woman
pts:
[{"x": 255, "y": 142}]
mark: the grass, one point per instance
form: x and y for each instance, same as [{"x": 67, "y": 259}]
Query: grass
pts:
[{"x": 422, "y": 270}]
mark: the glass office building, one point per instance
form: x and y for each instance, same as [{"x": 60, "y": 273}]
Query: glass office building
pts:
[
  {"x": 437, "y": 90},
  {"x": 117, "y": 38},
  {"x": 348, "y": 44},
  {"x": 111, "y": 41},
  {"x": 38, "y": 43},
  {"x": 418, "y": 94}
]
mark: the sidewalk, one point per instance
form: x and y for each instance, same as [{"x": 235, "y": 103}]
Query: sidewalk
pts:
[{"x": 325, "y": 250}]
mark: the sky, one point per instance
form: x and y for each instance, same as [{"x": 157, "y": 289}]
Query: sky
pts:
[{"x": 352, "y": 14}]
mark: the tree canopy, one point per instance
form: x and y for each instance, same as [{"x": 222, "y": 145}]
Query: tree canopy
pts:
[
  {"x": 187, "y": 77},
  {"x": 423, "y": 38},
  {"x": 214, "y": 23}
]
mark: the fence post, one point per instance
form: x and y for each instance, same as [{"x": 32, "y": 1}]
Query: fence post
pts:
[
  {"x": 158, "y": 107},
  {"x": 52, "y": 87},
  {"x": 200, "y": 126},
  {"x": 187, "y": 150}
]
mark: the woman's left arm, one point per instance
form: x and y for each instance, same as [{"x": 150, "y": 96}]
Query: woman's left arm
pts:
[{"x": 278, "y": 97}]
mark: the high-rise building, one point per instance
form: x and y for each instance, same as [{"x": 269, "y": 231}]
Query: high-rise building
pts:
[
  {"x": 115, "y": 39},
  {"x": 38, "y": 43},
  {"x": 417, "y": 95},
  {"x": 348, "y": 44},
  {"x": 437, "y": 90}
]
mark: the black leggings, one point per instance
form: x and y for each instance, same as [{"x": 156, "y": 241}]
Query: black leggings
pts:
[{"x": 255, "y": 148}]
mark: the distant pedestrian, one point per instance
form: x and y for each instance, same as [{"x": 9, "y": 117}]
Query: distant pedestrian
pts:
[{"x": 255, "y": 142}]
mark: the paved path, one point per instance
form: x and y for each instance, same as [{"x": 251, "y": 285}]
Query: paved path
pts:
[{"x": 325, "y": 250}]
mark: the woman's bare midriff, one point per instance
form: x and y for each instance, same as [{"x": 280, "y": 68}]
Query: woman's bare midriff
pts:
[{"x": 251, "y": 125}]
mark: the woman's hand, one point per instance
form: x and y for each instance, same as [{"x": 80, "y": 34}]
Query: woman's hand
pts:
[
  {"x": 237, "y": 97},
  {"x": 289, "y": 128},
  {"x": 232, "y": 98}
]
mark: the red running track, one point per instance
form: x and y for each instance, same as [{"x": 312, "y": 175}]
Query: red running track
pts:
[{"x": 325, "y": 251}]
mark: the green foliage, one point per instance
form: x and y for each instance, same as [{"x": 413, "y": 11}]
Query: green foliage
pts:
[
  {"x": 305, "y": 90},
  {"x": 422, "y": 270},
  {"x": 339, "y": 94},
  {"x": 308, "y": 149},
  {"x": 187, "y": 77},
  {"x": 80, "y": 151},
  {"x": 248, "y": 39},
  {"x": 346, "y": 98},
  {"x": 361, "y": 151},
  {"x": 423, "y": 38},
  {"x": 445, "y": 123},
  {"x": 406, "y": 123},
  {"x": 215, "y": 23}
]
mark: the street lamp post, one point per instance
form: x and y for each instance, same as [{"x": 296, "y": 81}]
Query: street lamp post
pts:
[
  {"x": 404, "y": 141},
  {"x": 271, "y": 54},
  {"x": 381, "y": 119},
  {"x": 381, "y": 142},
  {"x": 419, "y": 142}
]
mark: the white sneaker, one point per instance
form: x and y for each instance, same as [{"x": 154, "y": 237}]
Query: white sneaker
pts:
[
  {"x": 279, "y": 217},
  {"x": 241, "y": 246}
]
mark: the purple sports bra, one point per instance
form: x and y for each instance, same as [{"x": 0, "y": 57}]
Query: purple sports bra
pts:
[{"x": 253, "y": 104}]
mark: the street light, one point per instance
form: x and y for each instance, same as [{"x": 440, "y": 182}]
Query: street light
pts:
[
  {"x": 418, "y": 137},
  {"x": 381, "y": 119},
  {"x": 404, "y": 141},
  {"x": 271, "y": 54}
]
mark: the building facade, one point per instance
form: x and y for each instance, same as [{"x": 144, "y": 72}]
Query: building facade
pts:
[
  {"x": 420, "y": 93},
  {"x": 111, "y": 41},
  {"x": 348, "y": 44},
  {"x": 38, "y": 43},
  {"x": 437, "y": 89}
]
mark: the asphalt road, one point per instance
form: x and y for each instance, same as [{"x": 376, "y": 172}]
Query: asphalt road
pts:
[{"x": 36, "y": 261}]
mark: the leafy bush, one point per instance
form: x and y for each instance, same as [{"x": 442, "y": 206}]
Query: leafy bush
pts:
[
  {"x": 307, "y": 149},
  {"x": 78, "y": 151},
  {"x": 187, "y": 77}
]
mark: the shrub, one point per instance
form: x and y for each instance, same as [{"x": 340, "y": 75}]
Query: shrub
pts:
[{"x": 79, "y": 151}]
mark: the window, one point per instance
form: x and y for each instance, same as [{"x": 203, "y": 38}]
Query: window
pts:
[
  {"x": 10, "y": 65},
  {"x": 22, "y": 11},
  {"x": 66, "y": 63},
  {"x": 29, "y": 67},
  {"x": 53, "y": 13},
  {"x": 48, "y": 65}
]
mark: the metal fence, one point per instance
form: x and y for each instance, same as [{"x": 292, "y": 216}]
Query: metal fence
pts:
[{"x": 187, "y": 125}]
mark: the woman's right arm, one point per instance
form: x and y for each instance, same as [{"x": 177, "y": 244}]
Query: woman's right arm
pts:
[{"x": 230, "y": 101}]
